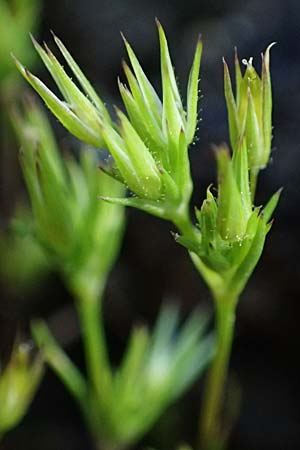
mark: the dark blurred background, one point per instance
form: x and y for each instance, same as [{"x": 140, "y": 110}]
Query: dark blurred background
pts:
[{"x": 151, "y": 266}]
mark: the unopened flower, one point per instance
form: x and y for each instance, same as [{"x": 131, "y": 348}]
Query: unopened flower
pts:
[
  {"x": 70, "y": 223},
  {"x": 233, "y": 212},
  {"x": 250, "y": 110}
]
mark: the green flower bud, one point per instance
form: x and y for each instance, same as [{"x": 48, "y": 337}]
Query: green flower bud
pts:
[
  {"x": 18, "y": 383},
  {"x": 207, "y": 219},
  {"x": 232, "y": 217},
  {"x": 70, "y": 223},
  {"x": 250, "y": 111}
]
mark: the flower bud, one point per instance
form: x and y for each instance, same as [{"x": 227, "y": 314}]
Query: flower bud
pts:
[
  {"x": 70, "y": 223},
  {"x": 250, "y": 111},
  {"x": 231, "y": 218},
  {"x": 18, "y": 383}
]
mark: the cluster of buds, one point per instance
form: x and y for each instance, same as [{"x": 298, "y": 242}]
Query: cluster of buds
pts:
[
  {"x": 250, "y": 110},
  {"x": 18, "y": 383},
  {"x": 233, "y": 231},
  {"x": 150, "y": 145},
  {"x": 150, "y": 152},
  {"x": 70, "y": 223}
]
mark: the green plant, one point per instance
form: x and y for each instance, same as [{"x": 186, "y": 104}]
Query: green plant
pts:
[
  {"x": 80, "y": 236},
  {"x": 150, "y": 152},
  {"x": 19, "y": 380}
]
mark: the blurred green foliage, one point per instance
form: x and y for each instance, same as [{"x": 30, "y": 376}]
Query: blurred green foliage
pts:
[
  {"x": 17, "y": 19},
  {"x": 23, "y": 264},
  {"x": 156, "y": 369},
  {"x": 19, "y": 380},
  {"x": 79, "y": 234}
]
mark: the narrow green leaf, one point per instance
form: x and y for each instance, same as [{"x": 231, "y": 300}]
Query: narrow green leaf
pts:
[
  {"x": 40, "y": 133},
  {"x": 188, "y": 364},
  {"x": 164, "y": 329},
  {"x": 192, "y": 94},
  {"x": 172, "y": 120},
  {"x": 151, "y": 207},
  {"x": 238, "y": 78},
  {"x": 78, "y": 102},
  {"x": 254, "y": 136},
  {"x": 144, "y": 126},
  {"x": 234, "y": 130},
  {"x": 192, "y": 329},
  {"x": 149, "y": 94},
  {"x": 60, "y": 362},
  {"x": 168, "y": 76},
  {"x": 141, "y": 159},
  {"x": 134, "y": 112},
  {"x": 44, "y": 55},
  {"x": 245, "y": 269},
  {"x": 183, "y": 172},
  {"x": 267, "y": 103},
  {"x": 190, "y": 244},
  {"x": 118, "y": 149},
  {"x": 270, "y": 207},
  {"x": 64, "y": 114},
  {"x": 131, "y": 368},
  {"x": 84, "y": 82},
  {"x": 170, "y": 188},
  {"x": 154, "y": 127}
]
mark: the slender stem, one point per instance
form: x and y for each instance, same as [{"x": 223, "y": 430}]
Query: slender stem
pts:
[
  {"x": 211, "y": 432},
  {"x": 184, "y": 224},
  {"x": 60, "y": 362},
  {"x": 89, "y": 308}
]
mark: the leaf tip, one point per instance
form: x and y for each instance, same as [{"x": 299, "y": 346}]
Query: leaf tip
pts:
[
  {"x": 158, "y": 24},
  {"x": 33, "y": 40},
  {"x": 53, "y": 34},
  {"x": 124, "y": 38}
]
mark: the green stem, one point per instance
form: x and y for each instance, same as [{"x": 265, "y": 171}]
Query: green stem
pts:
[
  {"x": 181, "y": 219},
  {"x": 212, "y": 435},
  {"x": 60, "y": 362},
  {"x": 89, "y": 308},
  {"x": 211, "y": 430}
]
